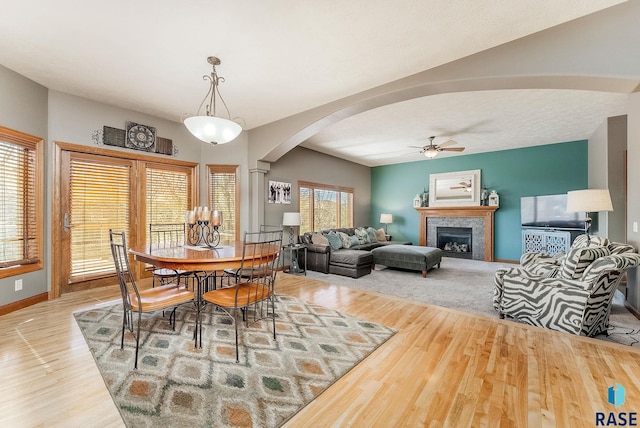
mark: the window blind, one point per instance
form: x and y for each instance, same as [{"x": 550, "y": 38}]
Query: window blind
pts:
[
  {"x": 99, "y": 201},
  {"x": 168, "y": 194},
  {"x": 18, "y": 215},
  {"x": 223, "y": 196}
]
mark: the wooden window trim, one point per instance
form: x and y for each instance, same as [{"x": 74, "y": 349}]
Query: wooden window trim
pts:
[
  {"x": 36, "y": 144},
  {"x": 321, "y": 186}
]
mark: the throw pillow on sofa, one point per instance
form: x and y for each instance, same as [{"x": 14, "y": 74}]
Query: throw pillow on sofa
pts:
[
  {"x": 345, "y": 239},
  {"x": 380, "y": 235},
  {"x": 362, "y": 235},
  {"x": 319, "y": 239},
  {"x": 371, "y": 233},
  {"x": 334, "y": 240}
]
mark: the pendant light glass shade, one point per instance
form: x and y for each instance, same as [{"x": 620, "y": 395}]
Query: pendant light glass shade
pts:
[{"x": 210, "y": 128}]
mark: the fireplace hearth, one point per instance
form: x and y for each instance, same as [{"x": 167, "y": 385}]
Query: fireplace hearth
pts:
[{"x": 455, "y": 241}]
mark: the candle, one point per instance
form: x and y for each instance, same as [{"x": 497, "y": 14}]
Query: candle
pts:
[
  {"x": 204, "y": 216},
  {"x": 190, "y": 217},
  {"x": 216, "y": 218}
]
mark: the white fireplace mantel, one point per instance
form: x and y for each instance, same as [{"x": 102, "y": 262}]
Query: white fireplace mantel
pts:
[{"x": 475, "y": 211}]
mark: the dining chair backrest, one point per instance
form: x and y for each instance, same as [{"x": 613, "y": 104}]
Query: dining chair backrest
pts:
[
  {"x": 166, "y": 235},
  {"x": 261, "y": 269},
  {"x": 118, "y": 242}
]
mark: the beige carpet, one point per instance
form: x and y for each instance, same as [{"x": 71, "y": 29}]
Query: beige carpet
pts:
[{"x": 467, "y": 285}]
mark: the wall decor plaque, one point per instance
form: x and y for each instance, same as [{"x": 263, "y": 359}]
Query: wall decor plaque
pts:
[{"x": 140, "y": 137}]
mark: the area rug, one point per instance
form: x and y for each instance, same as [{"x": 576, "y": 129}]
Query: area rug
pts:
[
  {"x": 176, "y": 385},
  {"x": 467, "y": 285}
]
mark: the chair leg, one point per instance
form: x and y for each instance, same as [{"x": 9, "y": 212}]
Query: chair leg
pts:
[
  {"x": 135, "y": 367},
  {"x": 172, "y": 318},
  {"x": 124, "y": 325},
  {"x": 235, "y": 323},
  {"x": 273, "y": 316}
]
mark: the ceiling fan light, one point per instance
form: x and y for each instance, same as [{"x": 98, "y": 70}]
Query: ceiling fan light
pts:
[{"x": 431, "y": 153}]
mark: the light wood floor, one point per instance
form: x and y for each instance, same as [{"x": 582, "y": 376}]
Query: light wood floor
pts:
[{"x": 442, "y": 368}]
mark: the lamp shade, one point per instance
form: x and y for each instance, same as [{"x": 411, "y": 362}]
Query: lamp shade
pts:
[
  {"x": 589, "y": 200},
  {"x": 386, "y": 218},
  {"x": 291, "y": 219},
  {"x": 212, "y": 129}
]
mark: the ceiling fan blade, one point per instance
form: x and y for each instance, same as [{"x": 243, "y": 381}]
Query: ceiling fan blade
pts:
[
  {"x": 458, "y": 187},
  {"x": 418, "y": 147},
  {"x": 453, "y": 149},
  {"x": 447, "y": 143}
]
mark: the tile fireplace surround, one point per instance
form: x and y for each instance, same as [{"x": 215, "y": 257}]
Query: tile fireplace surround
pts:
[{"x": 479, "y": 217}]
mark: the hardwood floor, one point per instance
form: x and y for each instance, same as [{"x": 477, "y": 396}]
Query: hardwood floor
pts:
[{"x": 442, "y": 368}]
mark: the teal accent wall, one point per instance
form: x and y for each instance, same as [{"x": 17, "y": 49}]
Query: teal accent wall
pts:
[{"x": 541, "y": 170}]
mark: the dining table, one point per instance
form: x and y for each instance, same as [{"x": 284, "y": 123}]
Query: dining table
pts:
[
  {"x": 191, "y": 257},
  {"x": 206, "y": 260}
]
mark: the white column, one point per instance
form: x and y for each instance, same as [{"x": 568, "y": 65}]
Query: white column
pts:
[{"x": 257, "y": 190}]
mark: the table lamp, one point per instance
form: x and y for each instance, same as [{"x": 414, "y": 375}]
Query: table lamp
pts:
[
  {"x": 386, "y": 219},
  {"x": 291, "y": 220},
  {"x": 588, "y": 200}
]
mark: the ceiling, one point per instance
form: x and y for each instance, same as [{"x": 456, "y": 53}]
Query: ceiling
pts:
[{"x": 282, "y": 57}]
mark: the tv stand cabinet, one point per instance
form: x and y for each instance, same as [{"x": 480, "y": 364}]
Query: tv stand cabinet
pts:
[{"x": 548, "y": 242}]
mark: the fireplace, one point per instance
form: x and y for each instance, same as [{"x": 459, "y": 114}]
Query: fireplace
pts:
[
  {"x": 455, "y": 241},
  {"x": 479, "y": 218}
]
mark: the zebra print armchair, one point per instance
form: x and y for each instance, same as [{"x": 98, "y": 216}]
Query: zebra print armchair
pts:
[{"x": 573, "y": 297}]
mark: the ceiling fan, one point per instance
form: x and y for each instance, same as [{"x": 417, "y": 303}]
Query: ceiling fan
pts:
[{"x": 431, "y": 150}]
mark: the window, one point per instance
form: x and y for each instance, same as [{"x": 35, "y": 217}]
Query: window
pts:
[
  {"x": 169, "y": 193},
  {"x": 21, "y": 206},
  {"x": 324, "y": 207},
  {"x": 224, "y": 196}
]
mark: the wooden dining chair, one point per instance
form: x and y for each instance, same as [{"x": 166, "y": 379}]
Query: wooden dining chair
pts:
[
  {"x": 253, "y": 292},
  {"x": 134, "y": 300}
]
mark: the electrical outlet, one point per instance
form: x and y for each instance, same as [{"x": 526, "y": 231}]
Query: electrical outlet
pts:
[{"x": 18, "y": 284}]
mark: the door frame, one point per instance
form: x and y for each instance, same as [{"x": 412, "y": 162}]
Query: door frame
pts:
[{"x": 57, "y": 213}]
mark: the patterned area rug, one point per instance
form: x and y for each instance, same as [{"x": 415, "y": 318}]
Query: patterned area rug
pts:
[{"x": 176, "y": 385}]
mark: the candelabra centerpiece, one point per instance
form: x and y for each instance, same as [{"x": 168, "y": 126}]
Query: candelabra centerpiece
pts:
[{"x": 202, "y": 226}]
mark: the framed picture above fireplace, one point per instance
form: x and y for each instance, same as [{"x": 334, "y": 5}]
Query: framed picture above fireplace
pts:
[{"x": 452, "y": 189}]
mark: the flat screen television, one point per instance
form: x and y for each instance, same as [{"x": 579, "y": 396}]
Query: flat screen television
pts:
[{"x": 549, "y": 212}]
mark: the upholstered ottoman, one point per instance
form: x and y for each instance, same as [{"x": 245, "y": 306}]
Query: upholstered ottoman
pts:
[
  {"x": 412, "y": 257},
  {"x": 353, "y": 263}
]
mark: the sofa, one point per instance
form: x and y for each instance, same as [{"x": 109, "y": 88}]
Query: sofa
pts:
[{"x": 344, "y": 251}]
